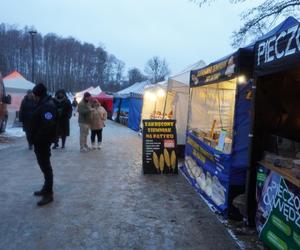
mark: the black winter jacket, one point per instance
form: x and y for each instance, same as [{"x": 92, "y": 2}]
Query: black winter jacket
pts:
[{"x": 44, "y": 122}]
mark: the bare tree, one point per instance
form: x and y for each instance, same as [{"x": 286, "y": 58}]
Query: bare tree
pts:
[
  {"x": 135, "y": 75},
  {"x": 157, "y": 69},
  {"x": 258, "y": 20},
  {"x": 60, "y": 62}
]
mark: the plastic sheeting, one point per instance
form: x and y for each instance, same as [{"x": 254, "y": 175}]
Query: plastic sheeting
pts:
[{"x": 134, "y": 116}]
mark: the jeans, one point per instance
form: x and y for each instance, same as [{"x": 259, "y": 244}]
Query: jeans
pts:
[
  {"x": 84, "y": 132},
  {"x": 98, "y": 133},
  {"x": 43, "y": 154}
]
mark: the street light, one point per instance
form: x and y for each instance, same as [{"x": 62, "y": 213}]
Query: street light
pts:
[{"x": 32, "y": 34}]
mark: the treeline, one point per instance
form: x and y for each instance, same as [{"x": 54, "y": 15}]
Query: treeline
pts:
[{"x": 59, "y": 62}]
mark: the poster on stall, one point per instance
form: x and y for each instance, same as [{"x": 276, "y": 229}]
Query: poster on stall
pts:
[
  {"x": 278, "y": 211},
  {"x": 208, "y": 171},
  {"x": 159, "y": 147}
]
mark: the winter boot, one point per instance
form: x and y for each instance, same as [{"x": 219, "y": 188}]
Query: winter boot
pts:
[
  {"x": 40, "y": 193},
  {"x": 99, "y": 145},
  {"x": 48, "y": 198},
  {"x": 94, "y": 146},
  {"x": 55, "y": 146}
]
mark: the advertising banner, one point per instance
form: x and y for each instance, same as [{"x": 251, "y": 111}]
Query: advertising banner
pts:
[
  {"x": 278, "y": 212},
  {"x": 159, "y": 147},
  {"x": 208, "y": 170}
]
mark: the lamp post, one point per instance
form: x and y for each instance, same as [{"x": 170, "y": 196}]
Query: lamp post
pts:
[{"x": 32, "y": 34}]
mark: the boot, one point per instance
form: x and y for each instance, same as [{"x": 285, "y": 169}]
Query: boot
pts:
[
  {"x": 48, "y": 198},
  {"x": 99, "y": 145},
  {"x": 94, "y": 146},
  {"x": 55, "y": 146},
  {"x": 40, "y": 193}
]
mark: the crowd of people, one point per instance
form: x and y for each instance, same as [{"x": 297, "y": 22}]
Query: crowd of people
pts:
[{"x": 46, "y": 120}]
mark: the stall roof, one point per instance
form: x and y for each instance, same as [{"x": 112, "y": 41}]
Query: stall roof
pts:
[
  {"x": 136, "y": 89},
  {"x": 104, "y": 96},
  {"x": 16, "y": 81},
  {"x": 180, "y": 82},
  {"x": 278, "y": 50},
  {"x": 239, "y": 62}
]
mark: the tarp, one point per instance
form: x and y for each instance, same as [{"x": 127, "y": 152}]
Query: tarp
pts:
[
  {"x": 106, "y": 101},
  {"x": 16, "y": 86},
  {"x": 278, "y": 50},
  {"x": 136, "y": 89},
  {"x": 129, "y": 102},
  {"x": 134, "y": 116}
]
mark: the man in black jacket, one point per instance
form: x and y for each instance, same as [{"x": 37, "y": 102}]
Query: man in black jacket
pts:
[
  {"x": 26, "y": 110},
  {"x": 42, "y": 134}
]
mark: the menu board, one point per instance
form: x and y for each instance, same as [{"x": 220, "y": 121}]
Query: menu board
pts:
[
  {"x": 278, "y": 211},
  {"x": 159, "y": 147}
]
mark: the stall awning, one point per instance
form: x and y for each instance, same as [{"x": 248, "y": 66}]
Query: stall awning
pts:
[
  {"x": 279, "y": 49},
  {"x": 237, "y": 63}
]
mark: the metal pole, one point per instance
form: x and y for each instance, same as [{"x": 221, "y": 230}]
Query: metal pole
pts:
[{"x": 32, "y": 33}]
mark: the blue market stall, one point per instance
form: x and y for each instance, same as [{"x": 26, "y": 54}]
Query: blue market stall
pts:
[
  {"x": 216, "y": 155},
  {"x": 273, "y": 192},
  {"x": 128, "y": 105}
]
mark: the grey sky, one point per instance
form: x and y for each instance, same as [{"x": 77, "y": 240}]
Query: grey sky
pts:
[{"x": 135, "y": 30}]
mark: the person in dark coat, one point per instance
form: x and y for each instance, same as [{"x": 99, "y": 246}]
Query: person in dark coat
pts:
[
  {"x": 26, "y": 110},
  {"x": 64, "y": 108},
  {"x": 42, "y": 133},
  {"x": 74, "y": 105}
]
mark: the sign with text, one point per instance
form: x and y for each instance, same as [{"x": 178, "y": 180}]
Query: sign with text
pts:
[
  {"x": 278, "y": 212},
  {"x": 159, "y": 147}
]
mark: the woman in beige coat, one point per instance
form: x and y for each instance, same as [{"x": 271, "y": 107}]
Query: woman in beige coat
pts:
[{"x": 98, "y": 117}]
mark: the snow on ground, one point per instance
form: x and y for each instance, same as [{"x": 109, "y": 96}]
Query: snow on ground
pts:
[{"x": 13, "y": 132}]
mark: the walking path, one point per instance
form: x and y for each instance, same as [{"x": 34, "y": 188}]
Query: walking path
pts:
[{"x": 102, "y": 201}]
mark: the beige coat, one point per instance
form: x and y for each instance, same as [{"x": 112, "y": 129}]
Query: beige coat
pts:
[{"x": 99, "y": 115}]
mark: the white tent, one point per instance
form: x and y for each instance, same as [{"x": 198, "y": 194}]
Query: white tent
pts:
[
  {"x": 178, "y": 95},
  {"x": 137, "y": 89},
  {"x": 92, "y": 90},
  {"x": 154, "y": 101},
  {"x": 16, "y": 86}
]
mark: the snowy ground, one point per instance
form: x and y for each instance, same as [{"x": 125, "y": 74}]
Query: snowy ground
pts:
[{"x": 102, "y": 201}]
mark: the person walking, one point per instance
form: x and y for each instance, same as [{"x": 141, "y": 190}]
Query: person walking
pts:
[
  {"x": 84, "y": 120},
  {"x": 42, "y": 134},
  {"x": 98, "y": 117},
  {"x": 74, "y": 105},
  {"x": 64, "y": 109},
  {"x": 25, "y": 114}
]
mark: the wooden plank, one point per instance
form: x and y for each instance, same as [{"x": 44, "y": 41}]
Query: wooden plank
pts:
[{"x": 284, "y": 172}]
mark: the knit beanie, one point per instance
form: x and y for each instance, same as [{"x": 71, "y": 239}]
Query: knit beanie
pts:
[{"x": 40, "y": 90}]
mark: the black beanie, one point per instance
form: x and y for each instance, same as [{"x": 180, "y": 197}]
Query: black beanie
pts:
[{"x": 40, "y": 90}]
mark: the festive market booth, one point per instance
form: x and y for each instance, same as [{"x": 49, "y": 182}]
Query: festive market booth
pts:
[
  {"x": 216, "y": 153},
  {"x": 178, "y": 98},
  {"x": 127, "y": 105},
  {"x": 16, "y": 86},
  {"x": 154, "y": 101},
  {"x": 275, "y": 154},
  {"x": 79, "y": 95},
  {"x": 107, "y": 102}
]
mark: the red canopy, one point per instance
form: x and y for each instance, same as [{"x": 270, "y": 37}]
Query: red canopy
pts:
[{"x": 106, "y": 101}]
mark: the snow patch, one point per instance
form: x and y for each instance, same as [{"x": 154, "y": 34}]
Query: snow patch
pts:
[{"x": 13, "y": 132}]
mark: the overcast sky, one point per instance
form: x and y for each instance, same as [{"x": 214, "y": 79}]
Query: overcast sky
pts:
[{"x": 136, "y": 30}]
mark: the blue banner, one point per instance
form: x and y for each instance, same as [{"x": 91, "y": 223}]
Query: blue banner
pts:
[{"x": 208, "y": 170}]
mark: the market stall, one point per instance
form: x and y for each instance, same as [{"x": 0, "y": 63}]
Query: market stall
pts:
[
  {"x": 154, "y": 102},
  {"x": 178, "y": 97},
  {"x": 107, "y": 102},
  {"x": 216, "y": 153},
  {"x": 128, "y": 105},
  {"x": 275, "y": 154},
  {"x": 16, "y": 86}
]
